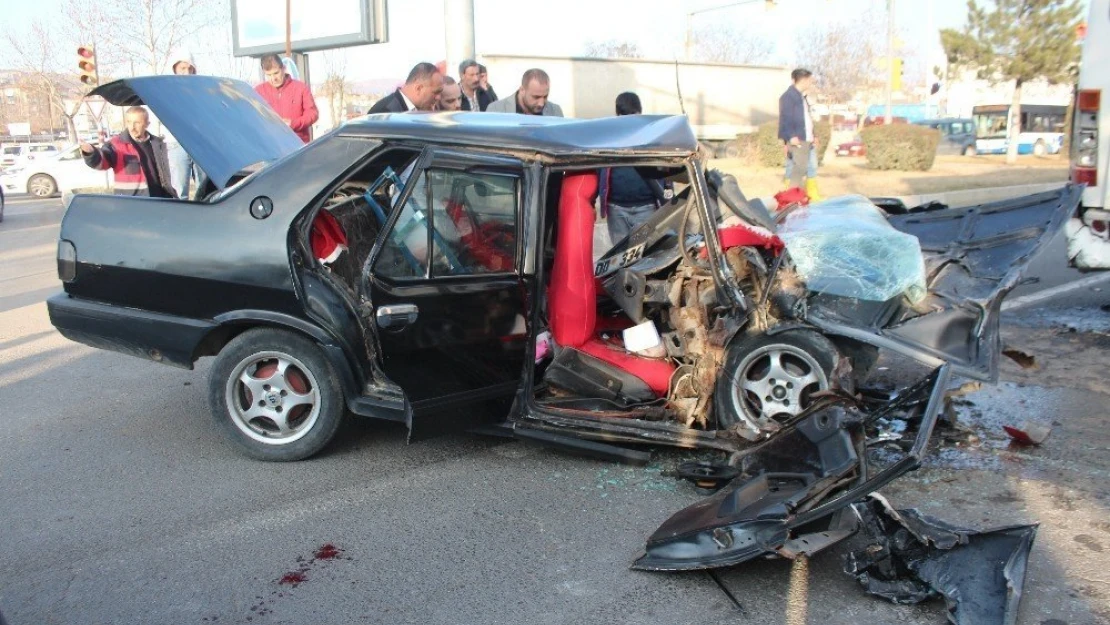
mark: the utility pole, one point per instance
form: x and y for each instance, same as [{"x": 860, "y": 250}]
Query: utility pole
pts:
[
  {"x": 769, "y": 4},
  {"x": 889, "y": 118},
  {"x": 458, "y": 18}
]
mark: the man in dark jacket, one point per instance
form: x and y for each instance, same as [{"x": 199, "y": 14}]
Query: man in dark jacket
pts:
[
  {"x": 475, "y": 98},
  {"x": 629, "y": 195},
  {"x": 137, "y": 158},
  {"x": 483, "y": 83},
  {"x": 419, "y": 93},
  {"x": 796, "y": 131}
]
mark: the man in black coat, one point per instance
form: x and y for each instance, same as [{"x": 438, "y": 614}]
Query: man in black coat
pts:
[
  {"x": 419, "y": 93},
  {"x": 475, "y": 98}
]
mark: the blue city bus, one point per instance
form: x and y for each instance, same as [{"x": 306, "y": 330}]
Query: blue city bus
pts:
[{"x": 1042, "y": 128}]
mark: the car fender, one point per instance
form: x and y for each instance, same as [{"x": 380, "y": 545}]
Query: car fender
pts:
[{"x": 234, "y": 322}]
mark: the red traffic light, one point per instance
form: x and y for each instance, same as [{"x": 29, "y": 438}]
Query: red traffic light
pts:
[{"x": 86, "y": 62}]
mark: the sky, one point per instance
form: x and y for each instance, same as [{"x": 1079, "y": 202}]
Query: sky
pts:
[{"x": 566, "y": 27}]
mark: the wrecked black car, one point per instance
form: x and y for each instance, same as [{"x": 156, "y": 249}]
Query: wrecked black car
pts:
[{"x": 460, "y": 290}]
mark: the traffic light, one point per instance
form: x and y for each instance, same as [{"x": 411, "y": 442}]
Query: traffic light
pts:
[
  {"x": 86, "y": 63},
  {"x": 896, "y": 74}
]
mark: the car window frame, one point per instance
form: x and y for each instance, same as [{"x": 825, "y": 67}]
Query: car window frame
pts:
[{"x": 445, "y": 158}]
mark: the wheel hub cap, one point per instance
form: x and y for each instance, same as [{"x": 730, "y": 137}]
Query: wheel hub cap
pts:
[
  {"x": 273, "y": 398},
  {"x": 776, "y": 381}
]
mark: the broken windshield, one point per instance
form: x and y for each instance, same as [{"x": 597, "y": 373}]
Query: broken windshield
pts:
[{"x": 845, "y": 246}]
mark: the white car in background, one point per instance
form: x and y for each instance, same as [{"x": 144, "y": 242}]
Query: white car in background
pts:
[
  {"x": 49, "y": 176},
  {"x": 18, "y": 154}
]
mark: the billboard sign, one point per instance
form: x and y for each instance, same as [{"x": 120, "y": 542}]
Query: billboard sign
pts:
[{"x": 258, "y": 26}]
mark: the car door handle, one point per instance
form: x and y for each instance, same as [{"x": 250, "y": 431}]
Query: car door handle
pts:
[{"x": 396, "y": 315}]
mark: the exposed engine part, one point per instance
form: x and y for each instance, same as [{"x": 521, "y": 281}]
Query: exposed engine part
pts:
[{"x": 692, "y": 296}]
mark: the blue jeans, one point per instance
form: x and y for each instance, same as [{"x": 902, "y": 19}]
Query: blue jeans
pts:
[
  {"x": 811, "y": 169},
  {"x": 181, "y": 170},
  {"x": 625, "y": 219}
]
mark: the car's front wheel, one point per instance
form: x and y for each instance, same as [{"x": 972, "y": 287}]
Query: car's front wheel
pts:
[
  {"x": 42, "y": 185},
  {"x": 773, "y": 377},
  {"x": 275, "y": 395},
  {"x": 970, "y": 151}
]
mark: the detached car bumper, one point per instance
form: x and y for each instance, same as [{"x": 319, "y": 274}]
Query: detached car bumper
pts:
[{"x": 159, "y": 337}]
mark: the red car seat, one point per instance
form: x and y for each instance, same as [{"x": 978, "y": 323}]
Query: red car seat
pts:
[{"x": 572, "y": 295}]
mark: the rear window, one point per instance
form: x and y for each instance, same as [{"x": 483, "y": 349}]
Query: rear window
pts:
[{"x": 11, "y": 150}]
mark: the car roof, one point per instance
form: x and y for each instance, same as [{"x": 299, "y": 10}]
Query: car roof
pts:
[{"x": 628, "y": 134}]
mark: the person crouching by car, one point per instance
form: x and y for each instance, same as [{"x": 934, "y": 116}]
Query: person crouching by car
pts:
[
  {"x": 628, "y": 196},
  {"x": 137, "y": 158}
]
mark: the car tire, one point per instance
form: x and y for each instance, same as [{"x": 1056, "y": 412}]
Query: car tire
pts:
[
  {"x": 275, "y": 395},
  {"x": 970, "y": 151},
  {"x": 1040, "y": 148},
  {"x": 749, "y": 389},
  {"x": 731, "y": 149},
  {"x": 42, "y": 185}
]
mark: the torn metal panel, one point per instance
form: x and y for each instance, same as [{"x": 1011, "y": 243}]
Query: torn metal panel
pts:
[
  {"x": 973, "y": 257},
  {"x": 793, "y": 492},
  {"x": 914, "y": 557}
]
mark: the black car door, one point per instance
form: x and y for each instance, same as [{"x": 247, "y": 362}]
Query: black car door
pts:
[{"x": 449, "y": 305}]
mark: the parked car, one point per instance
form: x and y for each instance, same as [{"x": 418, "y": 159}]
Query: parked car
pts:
[
  {"x": 51, "y": 175},
  {"x": 1, "y": 204},
  {"x": 957, "y": 135},
  {"x": 15, "y": 154},
  {"x": 854, "y": 147},
  {"x": 456, "y": 288}
]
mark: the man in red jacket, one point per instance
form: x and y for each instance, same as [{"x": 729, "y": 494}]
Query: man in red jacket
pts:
[{"x": 291, "y": 99}]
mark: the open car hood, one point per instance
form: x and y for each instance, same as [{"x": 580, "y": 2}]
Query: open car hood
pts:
[{"x": 222, "y": 123}]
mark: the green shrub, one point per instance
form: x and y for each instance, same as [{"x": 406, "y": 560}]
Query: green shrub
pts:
[
  {"x": 823, "y": 130},
  {"x": 906, "y": 147},
  {"x": 765, "y": 148}
]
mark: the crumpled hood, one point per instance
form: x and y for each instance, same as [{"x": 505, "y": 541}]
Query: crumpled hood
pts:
[{"x": 222, "y": 123}]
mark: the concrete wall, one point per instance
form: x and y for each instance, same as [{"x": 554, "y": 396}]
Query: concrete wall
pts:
[{"x": 736, "y": 95}]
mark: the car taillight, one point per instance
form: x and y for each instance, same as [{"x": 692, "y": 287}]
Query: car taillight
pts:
[
  {"x": 67, "y": 261},
  {"x": 1098, "y": 226},
  {"x": 1084, "y": 152}
]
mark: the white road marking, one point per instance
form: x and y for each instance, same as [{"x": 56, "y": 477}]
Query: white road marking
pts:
[{"x": 1040, "y": 296}]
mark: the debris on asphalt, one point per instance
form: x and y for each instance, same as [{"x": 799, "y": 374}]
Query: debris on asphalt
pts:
[
  {"x": 1028, "y": 433},
  {"x": 966, "y": 388},
  {"x": 913, "y": 557},
  {"x": 1025, "y": 361},
  {"x": 707, "y": 476}
]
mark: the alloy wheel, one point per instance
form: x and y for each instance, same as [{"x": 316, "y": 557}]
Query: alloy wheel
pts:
[
  {"x": 272, "y": 397},
  {"x": 777, "y": 381}
]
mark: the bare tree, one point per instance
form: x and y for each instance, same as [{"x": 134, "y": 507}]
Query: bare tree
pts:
[
  {"x": 842, "y": 56},
  {"x": 613, "y": 49},
  {"x": 34, "y": 55},
  {"x": 335, "y": 86},
  {"x": 727, "y": 44},
  {"x": 139, "y": 36}
]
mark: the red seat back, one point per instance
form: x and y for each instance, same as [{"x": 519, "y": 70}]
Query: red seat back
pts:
[{"x": 572, "y": 295}]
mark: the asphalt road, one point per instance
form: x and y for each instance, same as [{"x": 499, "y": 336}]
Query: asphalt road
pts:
[{"x": 121, "y": 503}]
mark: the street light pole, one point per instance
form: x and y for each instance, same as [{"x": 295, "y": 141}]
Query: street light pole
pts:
[
  {"x": 691, "y": 14},
  {"x": 889, "y": 118}
]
